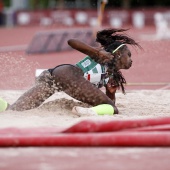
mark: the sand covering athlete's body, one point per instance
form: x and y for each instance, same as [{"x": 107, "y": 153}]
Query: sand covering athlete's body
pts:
[{"x": 74, "y": 80}]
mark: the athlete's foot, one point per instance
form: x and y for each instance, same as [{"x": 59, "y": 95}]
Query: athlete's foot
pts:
[{"x": 81, "y": 111}]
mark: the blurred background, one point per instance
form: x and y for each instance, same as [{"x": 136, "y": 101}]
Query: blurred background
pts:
[
  {"x": 34, "y": 34},
  {"x": 138, "y": 13}
]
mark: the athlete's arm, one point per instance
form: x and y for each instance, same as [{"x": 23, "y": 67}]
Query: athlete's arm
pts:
[
  {"x": 111, "y": 90},
  {"x": 99, "y": 55}
]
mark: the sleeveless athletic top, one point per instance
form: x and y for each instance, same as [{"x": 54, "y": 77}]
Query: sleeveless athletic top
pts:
[{"x": 94, "y": 72}]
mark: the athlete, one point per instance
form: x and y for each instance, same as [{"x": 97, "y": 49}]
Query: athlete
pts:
[{"x": 82, "y": 81}]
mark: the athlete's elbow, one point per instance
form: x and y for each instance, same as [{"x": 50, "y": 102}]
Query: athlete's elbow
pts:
[{"x": 71, "y": 41}]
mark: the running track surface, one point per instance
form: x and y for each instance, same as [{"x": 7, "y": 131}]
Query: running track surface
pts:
[{"x": 150, "y": 65}]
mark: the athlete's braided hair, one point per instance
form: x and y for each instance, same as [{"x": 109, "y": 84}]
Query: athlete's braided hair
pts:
[{"x": 110, "y": 39}]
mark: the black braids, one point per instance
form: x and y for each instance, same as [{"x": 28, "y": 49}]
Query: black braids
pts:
[
  {"x": 112, "y": 46},
  {"x": 125, "y": 40},
  {"x": 119, "y": 80},
  {"x": 117, "y": 76},
  {"x": 106, "y": 37},
  {"x": 110, "y": 36}
]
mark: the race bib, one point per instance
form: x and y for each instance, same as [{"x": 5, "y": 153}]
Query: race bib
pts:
[{"x": 86, "y": 64}]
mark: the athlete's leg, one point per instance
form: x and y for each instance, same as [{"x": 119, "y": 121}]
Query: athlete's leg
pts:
[
  {"x": 35, "y": 96},
  {"x": 70, "y": 80},
  {"x": 66, "y": 78}
]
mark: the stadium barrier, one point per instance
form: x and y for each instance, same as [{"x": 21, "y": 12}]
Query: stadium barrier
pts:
[{"x": 54, "y": 41}]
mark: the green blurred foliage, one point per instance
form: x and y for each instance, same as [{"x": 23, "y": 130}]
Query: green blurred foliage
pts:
[
  {"x": 44, "y": 4},
  {"x": 40, "y": 4},
  {"x": 6, "y": 3}
]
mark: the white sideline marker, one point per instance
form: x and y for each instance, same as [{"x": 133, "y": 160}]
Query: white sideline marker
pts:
[{"x": 39, "y": 71}]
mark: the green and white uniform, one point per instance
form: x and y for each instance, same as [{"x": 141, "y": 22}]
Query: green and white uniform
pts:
[{"x": 94, "y": 72}]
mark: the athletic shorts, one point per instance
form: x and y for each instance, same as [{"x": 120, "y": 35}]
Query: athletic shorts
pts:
[{"x": 52, "y": 69}]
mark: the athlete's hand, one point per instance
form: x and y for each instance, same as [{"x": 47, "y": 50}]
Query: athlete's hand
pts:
[{"x": 105, "y": 57}]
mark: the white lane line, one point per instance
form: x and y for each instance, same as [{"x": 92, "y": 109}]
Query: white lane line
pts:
[{"x": 13, "y": 48}]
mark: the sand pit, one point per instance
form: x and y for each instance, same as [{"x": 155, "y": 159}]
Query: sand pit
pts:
[{"x": 56, "y": 111}]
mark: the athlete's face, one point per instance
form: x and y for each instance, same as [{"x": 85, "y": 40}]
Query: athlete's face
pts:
[{"x": 124, "y": 59}]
